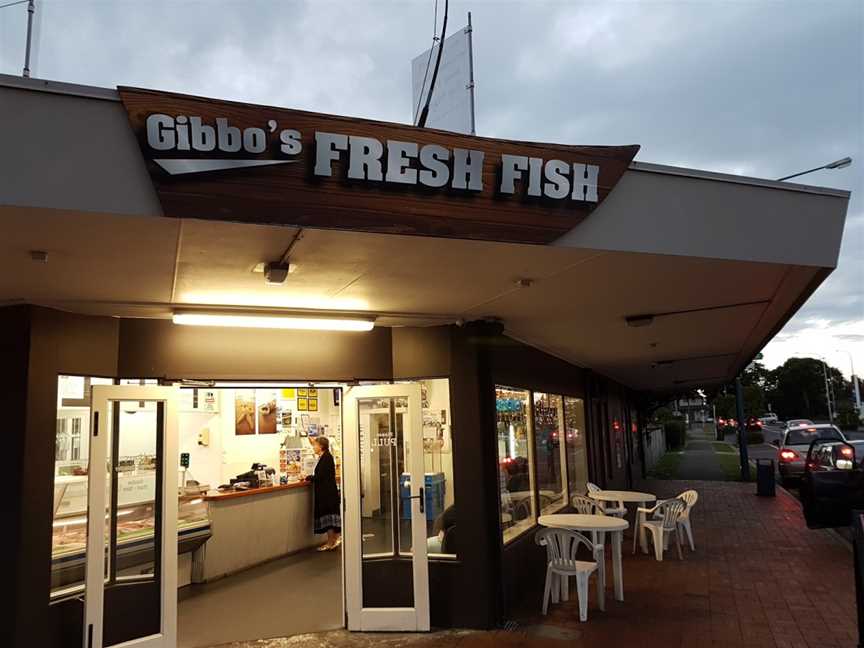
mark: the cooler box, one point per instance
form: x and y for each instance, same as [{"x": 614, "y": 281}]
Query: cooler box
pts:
[{"x": 433, "y": 490}]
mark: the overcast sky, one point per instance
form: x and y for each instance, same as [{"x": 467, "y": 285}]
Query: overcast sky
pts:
[{"x": 751, "y": 87}]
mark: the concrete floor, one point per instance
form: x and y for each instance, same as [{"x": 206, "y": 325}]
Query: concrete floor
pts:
[{"x": 294, "y": 595}]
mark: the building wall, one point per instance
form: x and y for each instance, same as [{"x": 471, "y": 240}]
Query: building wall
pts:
[{"x": 42, "y": 343}]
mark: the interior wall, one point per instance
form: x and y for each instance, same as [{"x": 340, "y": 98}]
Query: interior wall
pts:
[{"x": 158, "y": 348}]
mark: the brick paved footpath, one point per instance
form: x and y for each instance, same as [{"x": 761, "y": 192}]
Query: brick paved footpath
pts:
[{"x": 758, "y": 578}]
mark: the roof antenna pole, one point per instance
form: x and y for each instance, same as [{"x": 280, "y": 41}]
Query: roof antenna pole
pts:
[
  {"x": 470, "y": 31},
  {"x": 31, "y": 9}
]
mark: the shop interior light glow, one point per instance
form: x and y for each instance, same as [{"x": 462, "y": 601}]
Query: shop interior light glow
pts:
[{"x": 302, "y": 322}]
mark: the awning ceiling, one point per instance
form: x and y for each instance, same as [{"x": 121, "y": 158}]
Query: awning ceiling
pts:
[{"x": 574, "y": 307}]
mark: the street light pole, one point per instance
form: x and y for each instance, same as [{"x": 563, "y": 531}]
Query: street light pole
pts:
[
  {"x": 856, "y": 395},
  {"x": 827, "y": 391},
  {"x": 742, "y": 432},
  {"x": 842, "y": 163}
]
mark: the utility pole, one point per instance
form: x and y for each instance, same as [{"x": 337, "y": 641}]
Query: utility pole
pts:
[
  {"x": 31, "y": 9},
  {"x": 742, "y": 432},
  {"x": 827, "y": 392}
]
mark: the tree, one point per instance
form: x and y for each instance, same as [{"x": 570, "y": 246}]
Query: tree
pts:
[{"x": 796, "y": 389}]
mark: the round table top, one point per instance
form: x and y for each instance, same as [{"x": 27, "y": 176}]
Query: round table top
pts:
[
  {"x": 582, "y": 522},
  {"x": 622, "y": 496}
]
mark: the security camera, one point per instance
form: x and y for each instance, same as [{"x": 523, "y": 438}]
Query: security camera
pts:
[{"x": 276, "y": 273}]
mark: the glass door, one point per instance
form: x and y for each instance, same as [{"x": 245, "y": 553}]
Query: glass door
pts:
[
  {"x": 386, "y": 572},
  {"x": 131, "y": 572}
]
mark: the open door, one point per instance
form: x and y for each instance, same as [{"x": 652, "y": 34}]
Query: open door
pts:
[
  {"x": 131, "y": 573},
  {"x": 832, "y": 484},
  {"x": 386, "y": 572}
]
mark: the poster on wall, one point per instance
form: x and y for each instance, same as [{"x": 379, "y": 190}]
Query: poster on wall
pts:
[
  {"x": 267, "y": 411},
  {"x": 313, "y": 404},
  {"x": 289, "y": 393},
  {"x": 303, "y": 404},
  {"x": 244, "y": 412}
]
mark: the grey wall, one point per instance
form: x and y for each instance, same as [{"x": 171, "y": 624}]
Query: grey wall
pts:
[
  {"x": 660, "y": 212},
  {"x": 70, "y": 152}
]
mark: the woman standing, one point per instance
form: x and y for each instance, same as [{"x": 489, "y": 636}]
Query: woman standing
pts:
[{"x": 327, "y": 518}]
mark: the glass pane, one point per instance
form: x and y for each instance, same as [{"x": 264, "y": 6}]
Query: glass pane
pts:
[
  {"x": 376, "y": 474},
  {"x": 441, "y": 533},
  {"x": 515, "y": 458},
  {"x": 384, "y": 506},
  {"x": 548, "y": 432},
  {"x": 135, "y": 452},
  {"x": 69, "y": 526},
  {"x": 577, "y": 457}
]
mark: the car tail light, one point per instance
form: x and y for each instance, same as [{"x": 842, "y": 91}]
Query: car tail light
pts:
[
  {"x": 788, "y": 455},
  {"x": 759, "y": 423},
  {"x": 847, "y": 453}
]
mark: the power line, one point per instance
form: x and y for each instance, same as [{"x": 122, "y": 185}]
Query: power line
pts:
[
  {"x": 428, "y": 62},
  {"x": 12, "y": 4},
  {"x": 425, "y": 114}
]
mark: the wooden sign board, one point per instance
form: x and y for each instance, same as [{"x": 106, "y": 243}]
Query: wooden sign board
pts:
[{"x": 224, "y": 160}]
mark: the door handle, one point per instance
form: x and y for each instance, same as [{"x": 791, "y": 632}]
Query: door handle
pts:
[{"x": 420, "y": 497}]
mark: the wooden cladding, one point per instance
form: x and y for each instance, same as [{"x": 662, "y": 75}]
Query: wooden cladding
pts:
[{"x": 271, "y": 174}]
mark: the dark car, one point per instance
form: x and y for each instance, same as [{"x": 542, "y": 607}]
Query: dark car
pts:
[
  {"x": 795, "y": 445},
  {"x": 753, "y": 424},
  {"x": 832, "y": 484}
]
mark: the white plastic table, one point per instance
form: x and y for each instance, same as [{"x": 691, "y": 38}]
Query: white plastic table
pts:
[
  {"x": 628, "y": 497},
  {"x": 595, "y": 524}
]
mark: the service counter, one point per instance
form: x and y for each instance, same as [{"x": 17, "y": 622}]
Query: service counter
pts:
[{"x": 253, "y": 526}]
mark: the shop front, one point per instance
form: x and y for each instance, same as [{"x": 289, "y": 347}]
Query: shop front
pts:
[{"x": 197, "y": 292}]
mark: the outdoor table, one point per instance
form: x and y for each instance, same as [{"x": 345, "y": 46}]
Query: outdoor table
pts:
[
  {"x": 629, "y": 497},
  {"x": 595, "y": 524}
]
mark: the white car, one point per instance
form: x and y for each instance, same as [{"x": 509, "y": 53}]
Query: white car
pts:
[{"x": 769, "y": 419}]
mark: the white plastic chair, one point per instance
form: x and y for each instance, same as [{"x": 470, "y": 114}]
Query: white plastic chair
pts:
[
  {"x": 663, "y": 522},
  {"x": 561, "y": 548},
  {"x": 584, "y": 505},
  {"x": 690, "y": 498},
  {"x": 608, "y": 509}
]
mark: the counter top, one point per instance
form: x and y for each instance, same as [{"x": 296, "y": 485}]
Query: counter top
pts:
[{"x": 218, "y": 497}]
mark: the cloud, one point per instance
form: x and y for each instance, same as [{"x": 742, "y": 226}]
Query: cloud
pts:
[{"x": 762, "y": 88}]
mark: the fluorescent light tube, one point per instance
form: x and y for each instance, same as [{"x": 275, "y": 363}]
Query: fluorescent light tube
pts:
[{"x": 306, "y": 323}]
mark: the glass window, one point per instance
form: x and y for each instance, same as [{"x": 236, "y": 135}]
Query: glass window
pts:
[
  {"x": 515, "y": 461},
  {"x": 549, "y": 451},
  {"x": 438, "y": 461},
  {"x": 577, "y": 456},
  {"x": 69, "y": 527}
]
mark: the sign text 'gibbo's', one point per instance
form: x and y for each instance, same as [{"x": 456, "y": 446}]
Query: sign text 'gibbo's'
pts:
[{"x": 370, "y": 159}]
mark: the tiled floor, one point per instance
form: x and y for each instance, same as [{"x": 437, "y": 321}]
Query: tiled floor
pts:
[{"x": 758, "y": 578}]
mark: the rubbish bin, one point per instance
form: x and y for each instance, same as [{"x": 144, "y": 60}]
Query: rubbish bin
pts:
[{"x": 765, "y": 477}]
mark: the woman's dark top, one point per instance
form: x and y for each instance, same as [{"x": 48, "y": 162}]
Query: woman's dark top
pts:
[{"x": 324, "y": 487}]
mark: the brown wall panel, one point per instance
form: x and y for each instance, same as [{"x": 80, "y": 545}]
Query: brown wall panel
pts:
[
  {"x": 159, "y": 348},
  {"x": 58, "y": 343},
  {"x": 421, "y": 352}
]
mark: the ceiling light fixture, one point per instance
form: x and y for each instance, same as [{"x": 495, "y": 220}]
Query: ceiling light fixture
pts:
[{"x": 272, "y": 321}]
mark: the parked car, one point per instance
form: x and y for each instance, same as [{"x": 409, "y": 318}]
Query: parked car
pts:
[
  {"x": 769, "y": 419},
  {"x": 833, "y": 483},
  {"x": 795, "y": 445}
]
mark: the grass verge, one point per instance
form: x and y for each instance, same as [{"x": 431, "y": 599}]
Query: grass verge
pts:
[
  {"x": 667, "y": 467},
  {"x": 725, "y": 448},
  {"x": 731, "y": 466}
]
